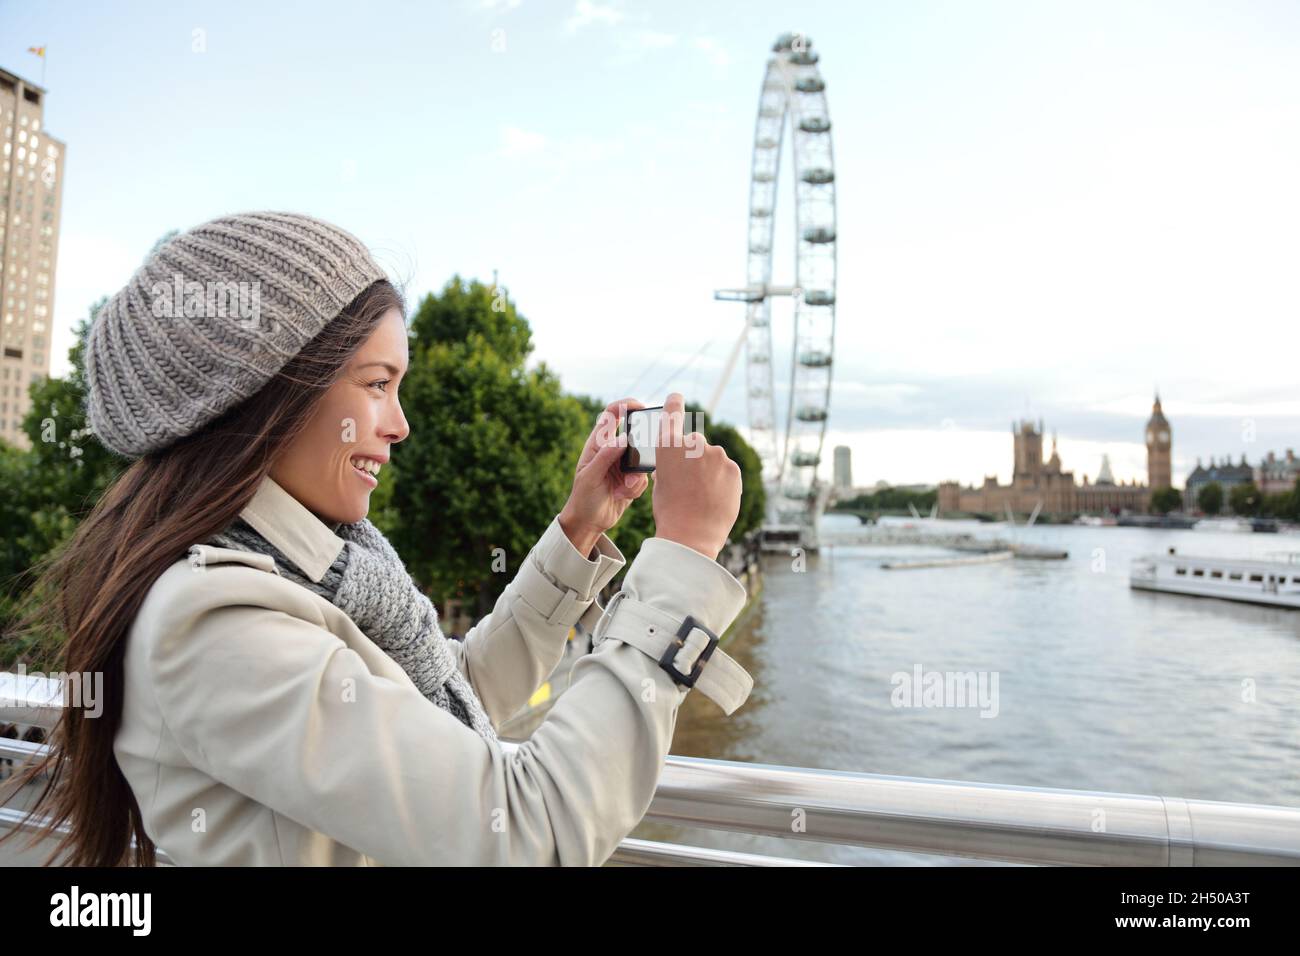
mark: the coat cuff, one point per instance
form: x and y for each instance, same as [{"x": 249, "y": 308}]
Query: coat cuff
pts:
[
  {"x": 560, "y": 582},
  {"x": 562, "y": 562},
  {"x": 679, "y": 580}
]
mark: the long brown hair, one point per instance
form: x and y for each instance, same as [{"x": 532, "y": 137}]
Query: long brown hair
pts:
[{"x": 147, "y": 519}]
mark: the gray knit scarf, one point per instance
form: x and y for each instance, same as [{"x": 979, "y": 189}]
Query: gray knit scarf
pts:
[{"x": 369, "y": 583}]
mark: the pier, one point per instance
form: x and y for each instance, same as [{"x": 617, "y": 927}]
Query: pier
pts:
[{"x": 885, "y": 536}]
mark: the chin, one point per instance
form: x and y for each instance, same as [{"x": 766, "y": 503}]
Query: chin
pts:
[{"x": 355, "y": 511}]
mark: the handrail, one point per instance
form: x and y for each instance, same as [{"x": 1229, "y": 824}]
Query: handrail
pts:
[{"x": 1034, "y": 825}]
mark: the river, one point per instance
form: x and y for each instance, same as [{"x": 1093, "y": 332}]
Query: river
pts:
[{"x": 1090, "y": 685}]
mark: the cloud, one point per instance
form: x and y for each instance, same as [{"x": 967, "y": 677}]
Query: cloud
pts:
[
  {"x": 1204, "y": 409},
  {"x": 520, "y": 142},
  {"x": 586, "y": 12}
]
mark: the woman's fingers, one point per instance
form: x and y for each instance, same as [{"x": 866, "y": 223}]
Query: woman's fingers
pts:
[{"x": 607, "y": 425}]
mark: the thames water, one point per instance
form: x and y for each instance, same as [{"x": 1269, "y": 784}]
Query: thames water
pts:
[{"x": 1087, "y": 684}]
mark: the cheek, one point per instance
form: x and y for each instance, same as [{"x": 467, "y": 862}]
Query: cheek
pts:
[{"x": 344, "y": 425}]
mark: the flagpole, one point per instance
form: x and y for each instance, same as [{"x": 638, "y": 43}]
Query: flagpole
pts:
[{"x": 44, "y": 57}]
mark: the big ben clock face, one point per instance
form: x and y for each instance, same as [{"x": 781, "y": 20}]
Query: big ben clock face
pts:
[
  {"x": 1164, "y": 436},
  {"x": 1151, "y": 437}
]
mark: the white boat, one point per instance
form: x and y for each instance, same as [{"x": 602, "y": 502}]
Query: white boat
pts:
[
  {"x": 1260, "y": 581},
  {"x": 1223, "y": 524}
]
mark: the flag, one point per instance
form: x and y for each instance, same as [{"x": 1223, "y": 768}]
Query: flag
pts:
[{"x": 38, "y": 50}]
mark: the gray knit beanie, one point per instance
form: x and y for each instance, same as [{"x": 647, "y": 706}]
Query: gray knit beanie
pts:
[{"x": 210, "y": 318}]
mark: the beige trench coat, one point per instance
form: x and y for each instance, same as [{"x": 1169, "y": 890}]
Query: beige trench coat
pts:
[{"x": 262, "y": 727}]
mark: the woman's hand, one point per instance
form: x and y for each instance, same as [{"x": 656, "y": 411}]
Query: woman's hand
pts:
[{"x": 601, "y": 489}]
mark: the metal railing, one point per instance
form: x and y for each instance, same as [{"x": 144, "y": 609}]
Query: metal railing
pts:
[{"x": 991, "y": 822}]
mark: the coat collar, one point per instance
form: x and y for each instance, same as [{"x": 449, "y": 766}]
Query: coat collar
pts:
[{"x": 292, "y": 527}]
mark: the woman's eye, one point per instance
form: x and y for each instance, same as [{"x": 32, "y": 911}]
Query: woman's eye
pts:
[{"x": 381, "y": 383}]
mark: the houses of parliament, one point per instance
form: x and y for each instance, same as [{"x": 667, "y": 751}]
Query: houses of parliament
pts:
[{"x": 1036, "y": 483}]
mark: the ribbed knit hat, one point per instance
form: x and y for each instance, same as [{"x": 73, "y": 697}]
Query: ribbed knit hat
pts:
[{"x": 210, "y": 318}]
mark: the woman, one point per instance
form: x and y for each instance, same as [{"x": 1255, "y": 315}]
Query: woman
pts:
[{"x": 278, "y": 689}]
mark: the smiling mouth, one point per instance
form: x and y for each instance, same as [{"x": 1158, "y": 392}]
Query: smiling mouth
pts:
[{"x": 365, "y": 476}]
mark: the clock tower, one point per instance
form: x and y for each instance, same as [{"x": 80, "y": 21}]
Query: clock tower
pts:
[{"x": 1159, "y": 448}]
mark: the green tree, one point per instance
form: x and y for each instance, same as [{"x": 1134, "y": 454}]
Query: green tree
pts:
[
  {"x": 1282, "y": 504},
  {"x": 463, "y": 308},
  {"x": 1210, "y": 498},
  {"x": 1244, "y": 499},
  {"x": 1165, "y": 500},
  {"x": 891, "y": 499},
  {"x": 52, "y": 485},
  {"x": 490, "y": 457}
]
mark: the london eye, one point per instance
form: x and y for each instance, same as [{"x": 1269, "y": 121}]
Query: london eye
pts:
[{"x": 793, "y": 88}]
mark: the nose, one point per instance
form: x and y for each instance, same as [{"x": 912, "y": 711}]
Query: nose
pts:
[{"x": 396, "y": 427}]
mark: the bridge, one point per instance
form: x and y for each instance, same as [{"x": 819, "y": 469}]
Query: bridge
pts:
[{"x": 993, "y": 822}]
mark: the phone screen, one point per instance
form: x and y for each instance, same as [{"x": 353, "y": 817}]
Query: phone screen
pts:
[{"x": 642, "y": 429}]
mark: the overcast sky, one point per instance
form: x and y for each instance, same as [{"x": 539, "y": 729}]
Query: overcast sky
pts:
[{"x": 1044, "y": 209}]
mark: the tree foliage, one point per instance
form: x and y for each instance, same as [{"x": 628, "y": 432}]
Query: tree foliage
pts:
[
  {"x": 52, "y": 485},
  {"x": 490, "y": 457},
  {"x": 1244, "y": 499},
  {"x": 1165, "y": 500}
]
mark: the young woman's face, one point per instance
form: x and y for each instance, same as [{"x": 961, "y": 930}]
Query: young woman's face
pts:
[{"x": 354, "y": 425}]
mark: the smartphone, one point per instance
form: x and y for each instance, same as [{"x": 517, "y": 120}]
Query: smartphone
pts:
[{"x": 641, "y": 425}]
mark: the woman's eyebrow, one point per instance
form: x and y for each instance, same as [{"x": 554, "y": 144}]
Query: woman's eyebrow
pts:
[{"x": 392, "y": 369}]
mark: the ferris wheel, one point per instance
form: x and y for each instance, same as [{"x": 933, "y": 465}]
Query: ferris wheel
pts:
[{"x": 793, "y": 87}]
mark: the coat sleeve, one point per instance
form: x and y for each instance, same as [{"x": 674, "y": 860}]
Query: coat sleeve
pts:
[
  {"x": 508, "y": 653},
  {"x": 280, "y": 709}
]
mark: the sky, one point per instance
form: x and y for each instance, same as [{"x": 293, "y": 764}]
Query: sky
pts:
[{"x": 1044, "y": 210}]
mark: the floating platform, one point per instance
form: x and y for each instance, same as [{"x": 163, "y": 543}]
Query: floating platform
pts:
[{"x": 986, "y": 558}]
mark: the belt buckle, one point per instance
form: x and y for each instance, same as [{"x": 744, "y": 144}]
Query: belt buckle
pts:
[{"x": 666, "y": 661}]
